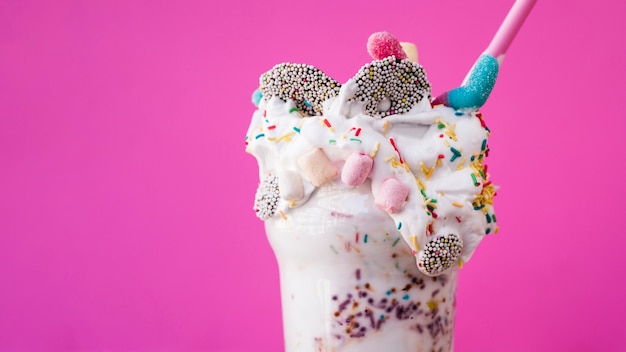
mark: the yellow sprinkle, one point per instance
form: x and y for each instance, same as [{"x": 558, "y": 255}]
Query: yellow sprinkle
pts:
[
  {"x": 292, "y": 203},
  {"x": 374, "y": 150},
  {"x": 344, "y": 137},
  {"x": 438, "y": 163},
  {"x": 497, "y": 230},
  {"x": 450, "y": 131},
  {"x": 426, "y": 170},
  {"x": 390, "y": 157},
  {"x": 420, "y": 184},
  {"x": 460, "y": 263},
  {"x": 457, "y": 204},
  {"x": 286, "y": 137},
  {"x": 461, "y": 163},
  {"x": 432, "y": 305},
  {"x": 282, "y": 215},
  {"x": 414, "y": 241},
  {"x": 445, "y": 141},
  {"x": 386, "y": 125}
]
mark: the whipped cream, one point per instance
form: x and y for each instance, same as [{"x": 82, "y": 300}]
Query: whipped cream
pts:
[{"x": 435, "y": 153}]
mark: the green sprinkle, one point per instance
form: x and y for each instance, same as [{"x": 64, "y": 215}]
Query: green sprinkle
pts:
[
  {"x": 293, "y": 109},
  {"x": 488, "y": 230},
  {"x": 488, "y": 218},
  {"x": 474, "y": 179},
  {"x": 332, "y": 141},
  {"x": 433, "y": 200},
  {"x": 296, "y": 129},
  {"x": 259, "y": 136},
  {"x": 472, "y": 158},
  {"x": 482, "y": 147},
  {"x": 365, "y": 239},
  {"x": 493, "y": 217},
  {"x": 458, "y": 113},
  {"x": 395, "y": 242},
  {"x": 355, "y": 140},
  {"x": 423, "y": 193},
  {"x": 333, "y": 248},
  {"x": 479, "y": 207},
  {"x": 399, "y": 225},
  {"x": 441, "y": 126}
]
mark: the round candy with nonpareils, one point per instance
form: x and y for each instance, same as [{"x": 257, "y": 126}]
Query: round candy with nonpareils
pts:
[
  {"x": 267, "y": 197},
  {"x": 306, "y": 85},
  {"x": 440, "y": 253},
  {"x": 402, "y": 82}
]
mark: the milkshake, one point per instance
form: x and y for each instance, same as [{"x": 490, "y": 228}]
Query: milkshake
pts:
[{"x": 373, "y": 194}]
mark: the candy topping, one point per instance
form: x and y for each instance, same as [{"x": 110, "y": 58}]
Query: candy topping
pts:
[
  {"x": 306, "y": 85},
  {"x": 382, "y": 44},
  {"x": 440, "y": 253},
  {"x": 267, "y": 196}
]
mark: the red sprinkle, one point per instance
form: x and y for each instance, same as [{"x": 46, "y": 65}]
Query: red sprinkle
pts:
[
  {"x": 356, "y": 238},
  {"x": 358, "y": 131},
  {"x": 458, "y": 218},
  {"x": 264, "y": 113},
  {"x": 327, "y": 123},
  {"x": 271, "y": 127},
  {"x": 440, "y": 156},
  {"x": 393, "y": 144}
]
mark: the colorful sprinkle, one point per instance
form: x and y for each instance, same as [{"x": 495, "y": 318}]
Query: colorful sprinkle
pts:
[
  {"x": 455, "y": 153},
  {"x": 393, "y": 144}
]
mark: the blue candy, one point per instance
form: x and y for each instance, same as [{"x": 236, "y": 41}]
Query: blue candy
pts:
[
  {"x": 256, "y": 97},
  {"x": 474, "y": 93}
]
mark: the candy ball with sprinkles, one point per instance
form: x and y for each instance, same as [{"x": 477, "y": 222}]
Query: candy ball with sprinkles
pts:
[
  {"x": 440, "y": 254},
  {"x": 267, "y": 196},
  {"x": 306, "y": 85},
  {"x": 402, "y": 82}
]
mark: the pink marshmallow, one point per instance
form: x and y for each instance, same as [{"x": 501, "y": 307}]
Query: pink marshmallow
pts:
[
  {"x": 391, "y": 195},
  {"x": 356, "y": 169},
  {"x": 383, "y": 44}
]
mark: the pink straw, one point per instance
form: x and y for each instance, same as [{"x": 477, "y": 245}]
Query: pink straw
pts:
[{"x": 509, "y": 27}]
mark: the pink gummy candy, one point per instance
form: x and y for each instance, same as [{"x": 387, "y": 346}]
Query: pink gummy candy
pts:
[{"x": 382, "y": 44}]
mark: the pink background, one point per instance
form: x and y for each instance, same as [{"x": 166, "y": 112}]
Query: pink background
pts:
[{"x": 125, "y": 192}]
